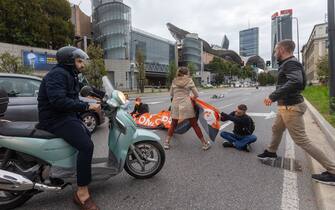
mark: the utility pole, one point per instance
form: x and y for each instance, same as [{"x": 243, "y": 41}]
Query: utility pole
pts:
[{"x": 331, "y": 54}]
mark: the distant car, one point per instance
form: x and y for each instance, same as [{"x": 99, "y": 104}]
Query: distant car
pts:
[{"x": 23, "y": 91}]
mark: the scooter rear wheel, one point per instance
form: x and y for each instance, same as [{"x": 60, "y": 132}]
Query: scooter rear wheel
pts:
[
  {"x": 12, "y": 199},
  {"x": 152, "y": 156}
]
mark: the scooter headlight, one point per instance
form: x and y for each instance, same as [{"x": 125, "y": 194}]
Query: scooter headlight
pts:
[{"x": 121, "y": 97}]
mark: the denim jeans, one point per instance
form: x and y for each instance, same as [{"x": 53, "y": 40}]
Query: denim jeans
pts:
[{"x": 239, "y": 141}]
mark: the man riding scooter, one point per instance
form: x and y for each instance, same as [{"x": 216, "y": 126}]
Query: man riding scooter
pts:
[{"x": 59, "y": 105}]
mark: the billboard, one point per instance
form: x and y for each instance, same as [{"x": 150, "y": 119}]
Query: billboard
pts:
[
  {"x": 286, "y": 12},
  {"x": 39, "y": 60}
]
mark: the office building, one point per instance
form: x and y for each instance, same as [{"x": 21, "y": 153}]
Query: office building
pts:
[
  {"x": 249, "y": 42},
  {"x": 112, "y": 28},
  {"x": 281, "y": 28},
  {"x": 315, "y": 48}
]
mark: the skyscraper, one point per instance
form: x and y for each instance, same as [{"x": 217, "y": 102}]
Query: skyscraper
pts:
[
  {"x": 249, "y": 42},
  {"x": 281, "y": 29}
]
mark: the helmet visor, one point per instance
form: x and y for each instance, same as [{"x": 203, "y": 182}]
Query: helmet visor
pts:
[{"x": 78, "y": 53}]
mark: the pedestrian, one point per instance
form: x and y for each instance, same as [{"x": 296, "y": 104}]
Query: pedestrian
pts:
[
  {"x": 59, "y": 105},
  {"x": 244, "y": 127},
  {"x": 182, "y": 106},
  {"x": 140, "y": 108},
  {"x": 127, "y": 104},
  {"x": 291, "y": 108}
]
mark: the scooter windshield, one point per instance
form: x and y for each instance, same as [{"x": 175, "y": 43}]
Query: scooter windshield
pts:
[{"x": 106, "y": 83}]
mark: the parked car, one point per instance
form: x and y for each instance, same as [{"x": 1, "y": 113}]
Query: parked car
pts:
[{"x": 23, "y": 91}]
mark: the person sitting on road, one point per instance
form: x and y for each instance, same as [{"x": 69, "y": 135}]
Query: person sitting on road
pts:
[
  {"x": 243, "y": 128},
  {"x": 140, "y": 108}
]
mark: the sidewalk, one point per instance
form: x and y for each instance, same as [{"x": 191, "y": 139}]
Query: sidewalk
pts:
[{"x": 324, "y": 194}]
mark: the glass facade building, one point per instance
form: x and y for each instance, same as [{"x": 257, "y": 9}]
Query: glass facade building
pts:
[
  {"x": 281, "y": 28},
  {"x": 158, "y": 52},
  {"x": 249, "y": 42},
  {"x": 111, "y": 27},
  {"x": 192, "y": 51}
]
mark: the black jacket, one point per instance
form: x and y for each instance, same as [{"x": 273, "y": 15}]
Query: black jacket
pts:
[
  {"x": 140, "y": 109},
  {"x": 291, "y": 82},
  {"x": 243, "y": 126},
  {"x": 58, "y": 97}
]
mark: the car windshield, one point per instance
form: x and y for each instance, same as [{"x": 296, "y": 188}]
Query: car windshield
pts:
[
  {"x": 20, "y": 87},
  {"x": 106, "y": 83}
]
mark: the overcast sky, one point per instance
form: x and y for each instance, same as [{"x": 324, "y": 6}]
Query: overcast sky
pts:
[{"x": 212, "y": 19}]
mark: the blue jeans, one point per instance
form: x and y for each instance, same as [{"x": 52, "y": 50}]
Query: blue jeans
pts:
[{"x": 239, "y": 141}]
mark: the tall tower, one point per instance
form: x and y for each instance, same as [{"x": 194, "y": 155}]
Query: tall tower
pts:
[
  {"x": 281, "y": 29},
  {"x": 112, "y": 27}
]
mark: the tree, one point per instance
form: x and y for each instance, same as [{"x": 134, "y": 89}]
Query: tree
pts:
[
  {"x": 323, "y": 69},
  {"x": 141, "y": 70},
  {"x": 266, "y": 79},
  {"x": 95, "y": 70},
  {"x": 172, "y": 72},
  {"x": 12, "y": 64},
  {"x": 38, "y": 23}
]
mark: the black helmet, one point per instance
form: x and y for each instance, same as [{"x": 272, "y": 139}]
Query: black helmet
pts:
[{"x": 67, "y": 55}]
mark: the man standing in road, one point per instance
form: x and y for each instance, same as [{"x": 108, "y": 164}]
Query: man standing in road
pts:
[
  {"x": 291, "y": 108},
  {"x": 243, "y": 128}
]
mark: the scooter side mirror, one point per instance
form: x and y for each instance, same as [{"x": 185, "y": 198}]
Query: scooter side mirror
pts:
[{"x": 86, "y": 91}]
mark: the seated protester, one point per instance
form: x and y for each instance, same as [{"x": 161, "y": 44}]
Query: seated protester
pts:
[
  {"x": 243, "y": 128},
  {"x": 139, "y": 108}
]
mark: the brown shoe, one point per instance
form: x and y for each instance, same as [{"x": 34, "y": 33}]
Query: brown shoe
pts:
[{"x": 87, "y": 205}]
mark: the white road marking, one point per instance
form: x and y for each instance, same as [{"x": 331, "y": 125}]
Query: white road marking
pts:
[
  {"x": 290, "y": 197},
  {"x": 153, "y": 103},
  {"x": 226, "y": 106},
  {"x": 225, "y": 125},
  {"x": 267, "y": 116}
]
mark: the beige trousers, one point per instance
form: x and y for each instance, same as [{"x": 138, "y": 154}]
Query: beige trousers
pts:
[{"x": 291, "y": 118}]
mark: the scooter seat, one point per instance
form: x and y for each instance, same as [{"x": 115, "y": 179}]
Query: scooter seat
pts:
[{"x": 23, "y": 129}]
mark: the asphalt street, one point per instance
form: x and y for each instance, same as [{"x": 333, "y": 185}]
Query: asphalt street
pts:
[{"x": 220, "y": 178}]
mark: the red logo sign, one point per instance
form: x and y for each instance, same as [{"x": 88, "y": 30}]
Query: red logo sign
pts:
[
  {"x": 286, "y": 12},
  {"x": 274, "y": 15}
]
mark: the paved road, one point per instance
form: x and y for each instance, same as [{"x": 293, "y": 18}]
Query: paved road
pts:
[{"x": 221, "y": 178}]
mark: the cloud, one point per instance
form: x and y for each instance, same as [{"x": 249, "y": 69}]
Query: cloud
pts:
[{"x": 212, "y": 19}]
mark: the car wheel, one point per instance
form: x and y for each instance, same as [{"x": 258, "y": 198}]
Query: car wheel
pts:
[{"x": 90, "y": 120}]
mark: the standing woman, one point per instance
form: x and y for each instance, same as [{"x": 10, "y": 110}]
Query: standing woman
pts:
[{"x": 182, "y": 107}]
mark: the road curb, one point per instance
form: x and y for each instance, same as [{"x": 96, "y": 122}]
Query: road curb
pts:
[
  {"x": 324, "y": 194},
  {"x": 325, "y": 127}
]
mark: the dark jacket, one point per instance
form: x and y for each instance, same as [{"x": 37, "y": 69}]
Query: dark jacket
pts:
[
  {"x": 291, "y": 82},
  {"x": 243, "y": 126},
  {"x": 58, "y": 97},
  {"x": 140, "y": 109}
]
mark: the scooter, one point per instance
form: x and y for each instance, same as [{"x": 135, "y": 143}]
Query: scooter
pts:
[{"x": 34, "y": 161}]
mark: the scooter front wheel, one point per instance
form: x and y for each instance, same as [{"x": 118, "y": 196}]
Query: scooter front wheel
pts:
[{"x": 145, "y": 160}]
